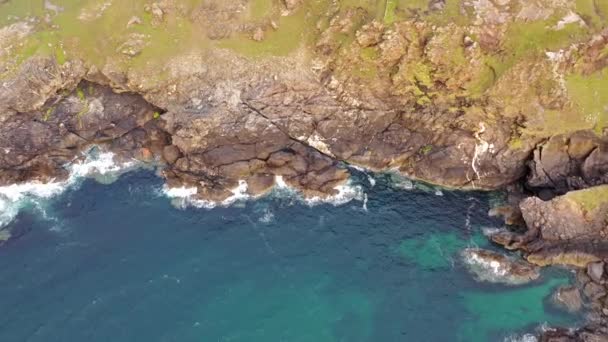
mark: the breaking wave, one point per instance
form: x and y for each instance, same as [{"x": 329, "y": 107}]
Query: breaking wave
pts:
[
  {"x": 101, "y": 166},
  {"x": 183, "y": 197}
]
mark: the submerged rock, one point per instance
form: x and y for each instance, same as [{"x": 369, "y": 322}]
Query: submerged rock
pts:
[
  {"x": 569, "y": 297},
  {"x": 497, "y": 268}
]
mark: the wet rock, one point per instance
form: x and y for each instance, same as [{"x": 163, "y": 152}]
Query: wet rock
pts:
[
  {"x": 37, "y": 143},
  {"x": 569, "y": 298},
  {"x": 498, "y": 268},
  {"x": 595, "y": 271}
]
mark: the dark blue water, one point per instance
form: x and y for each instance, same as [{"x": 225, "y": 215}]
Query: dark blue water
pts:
[{"x": 119, "y": 263}]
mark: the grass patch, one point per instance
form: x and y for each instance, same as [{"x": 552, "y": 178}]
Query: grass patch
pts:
[
  {"x": 589, "y": 199},
  {"x": 590, "y": 95}
]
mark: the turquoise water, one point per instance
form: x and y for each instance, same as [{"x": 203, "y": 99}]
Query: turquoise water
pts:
[{"x": 119, "y": 263}]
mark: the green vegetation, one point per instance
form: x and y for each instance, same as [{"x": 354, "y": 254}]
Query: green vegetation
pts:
[
  {"x": 260, "y": 9},
  {"x": 424, "y": 150},
  {"x": 80, "y": 94},
  {"x": 589, "y": 199},
  {"x": 156, "y": 115},
  {"x": 594, "y": 12},
  {"x": 47, "y": 115},
  {"x": 590, "y": 95}
]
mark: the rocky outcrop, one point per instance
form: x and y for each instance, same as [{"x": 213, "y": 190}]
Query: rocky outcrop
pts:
[
  {"x": 570, "y": 229},
  {"x": 567, "y": 162},
  {"x": 48, "y": 119},
  {"x": 495, "y": 267}
]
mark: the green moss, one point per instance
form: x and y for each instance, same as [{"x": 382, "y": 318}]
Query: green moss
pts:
[
  {"x": 516, "y": 143},
  {"x": 590, "y": 95},
  {"x": 593, "y": 12},
  {"x": 389, "y": 11},
  {"x": 525, "y": 40},
  {"x": 422, "y": 74},
  {"x": 47, "y": 115},
  {"x": 156, "y": 115},
  {"x": 424, "y": 150},
  {"x": 589, "y": 199},
  {"x": 292, "y": 32},
  {"x": 370, "y": 53},
  {"x": 261, "y": 8},
  {"x": 484, "y": 80},
  {"x": 423, "y": 100},
  {"x": 80, "y": 94}
]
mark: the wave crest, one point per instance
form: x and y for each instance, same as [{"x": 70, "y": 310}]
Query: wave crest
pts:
[{"x": 101, "y": 166}]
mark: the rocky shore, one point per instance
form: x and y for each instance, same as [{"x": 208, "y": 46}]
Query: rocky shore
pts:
[{"x": 486, "y": 94}]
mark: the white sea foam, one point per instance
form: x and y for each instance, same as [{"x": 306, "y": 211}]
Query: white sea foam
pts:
[
  {"x": 492, "y": 268},
  {"x": 34, "y": 194},
  {"x": 187, "y": 197},
  {"x": 346, "y": 193},
  {"x": 497, "y": 269},
  {"x": 267, "y": 217},
  {"x": 183, "y": 197},
  {"x": 371, "y": 180},
  {"x": 404, "y": 184},
  {"x": 490, "y": 231},
  {"x": 522, "y": 338}
]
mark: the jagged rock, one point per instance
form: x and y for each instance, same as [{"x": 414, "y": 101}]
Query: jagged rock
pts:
[
  {"x": 594, "y": 291},
  {"x": 576, "y": 215},
  {"x": 595, "y": 167},
  {"x": 37, "y": 143},
  {"x": 569, "y": 162}
]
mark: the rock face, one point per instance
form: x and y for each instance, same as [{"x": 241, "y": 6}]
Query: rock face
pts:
[
  {"x": 567, "y": 162},
  {"x": 418, "y": 93},
  {"x": 568, "y": 230}
]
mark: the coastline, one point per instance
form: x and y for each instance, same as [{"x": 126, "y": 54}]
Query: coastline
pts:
[{"x": 389, "y": 93}]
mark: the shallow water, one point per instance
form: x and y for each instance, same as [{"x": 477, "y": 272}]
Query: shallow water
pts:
[{"x": 118, "y": 262}]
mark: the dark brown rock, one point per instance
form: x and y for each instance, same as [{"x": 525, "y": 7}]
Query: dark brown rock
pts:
[{"x": 171, "y": 154}]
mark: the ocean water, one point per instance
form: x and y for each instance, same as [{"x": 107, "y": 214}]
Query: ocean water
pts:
[{"x": 120, "y": 262}]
